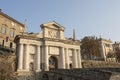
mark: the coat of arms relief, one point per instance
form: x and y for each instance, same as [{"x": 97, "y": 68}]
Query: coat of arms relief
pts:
[{"x": 53, "y": 34}]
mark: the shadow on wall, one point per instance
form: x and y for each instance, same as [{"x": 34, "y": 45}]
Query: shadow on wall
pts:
[{"x": 75, "y": 74}]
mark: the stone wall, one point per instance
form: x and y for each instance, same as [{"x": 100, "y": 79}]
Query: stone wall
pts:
[
  {"x": 84, "y": 74},
  {"x": 74, "y": 74},
  {"x": 21, "y": 75},
  {"x": 7, "y": 66},
  {"x": 92, "y": 70},
  {"x": 99, "y": 64}
]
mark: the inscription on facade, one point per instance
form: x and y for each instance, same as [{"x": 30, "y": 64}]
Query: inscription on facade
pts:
[
  {"x": 32, "y": 49},
  {"x": 54, "y": 50}
]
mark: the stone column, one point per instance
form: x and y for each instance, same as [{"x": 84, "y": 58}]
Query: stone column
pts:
[
  {"x": 20, "y": 57},
  {"x": 26, "y": 57},
  {"x": 62, "y": 59},
  {"x": 67, "y": 59},
  {"x": 46, "y": 58},
  {"x": 79, "y": 59},
  {"x": 74, "y": 59},
  {"x": 103, "y": 54},
  {"x": 38, "y": 56}
]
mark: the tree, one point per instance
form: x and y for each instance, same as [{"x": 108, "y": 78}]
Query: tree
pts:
[
  {"x": 90, "y": 47},
  {"x": 117, "y": 53},
  {"x": 111, "y": 55}
]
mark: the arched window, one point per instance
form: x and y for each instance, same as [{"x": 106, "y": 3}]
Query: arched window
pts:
[
  {"x": 4, "y": 29},
  {"x": 12, "y": 33},
  {"x": 31, "y": 66}
]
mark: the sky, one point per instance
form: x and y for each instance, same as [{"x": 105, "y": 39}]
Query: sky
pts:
[{"x": 87, "y": 17}]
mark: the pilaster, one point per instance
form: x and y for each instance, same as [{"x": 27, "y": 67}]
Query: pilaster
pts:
[
  {"x": 75, "y": 65},
  {"x": 46, "y": 58},
  {"x": 67, "y": 59},
  {"x": 38, "y": 60},
  {"x": 62, "y": 55},
  {"x": 79, "y": 59}
]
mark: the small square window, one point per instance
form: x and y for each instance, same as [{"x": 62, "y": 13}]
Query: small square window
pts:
[
  {"x": 21, "y": 28},
  {"x": 13, "y": 24}
]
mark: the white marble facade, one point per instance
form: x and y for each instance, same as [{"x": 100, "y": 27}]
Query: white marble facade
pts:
[
  {"x": 106, "y": 47},
  {"x": 47, "y": 49}
]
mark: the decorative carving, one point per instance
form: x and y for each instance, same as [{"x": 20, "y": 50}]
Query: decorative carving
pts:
[
  {"x": 54, "y": 50},
  {"x": 70, "y": 52},
  {"x": 32, "y": 49},
  {"x": 53, "y": 34}
]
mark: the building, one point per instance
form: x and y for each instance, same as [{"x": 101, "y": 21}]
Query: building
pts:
[
  {"x": 9, "y": 28},
  {"x": 47, "y": 50},
  {"x": 116, "y": 46},
  {"x": 105, "y": 47}
]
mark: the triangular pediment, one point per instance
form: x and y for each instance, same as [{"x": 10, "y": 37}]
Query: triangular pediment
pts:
[
  {"x": 52, "y": 25},
  {"x": 40, "y": 35}
]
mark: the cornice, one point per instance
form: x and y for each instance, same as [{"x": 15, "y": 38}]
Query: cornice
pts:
[
  {"x": 31, "y": 37},
  {"x": 72, "y": 42},
  {"x": 5, "y": 15},
  {"x": 63, "y": 41},
  {"x": 102, "y": 39}
]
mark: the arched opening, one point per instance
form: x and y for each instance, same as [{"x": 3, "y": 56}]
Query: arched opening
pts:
[
  {"x": 53, "y": 62},
  {"x": 3, "y": 43},
  {"x": 11, "y": 45},
  {"x": 31, "y": 65},
  {"x": 70, "y": 65},
  {"x": 60, "y": 78},
  {"x": 45, "y": 77}
]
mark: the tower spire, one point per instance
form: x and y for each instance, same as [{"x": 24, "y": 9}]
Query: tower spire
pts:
[
  {"x": 74, "y": 35},
  {"x": 25, "y": 24}
]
